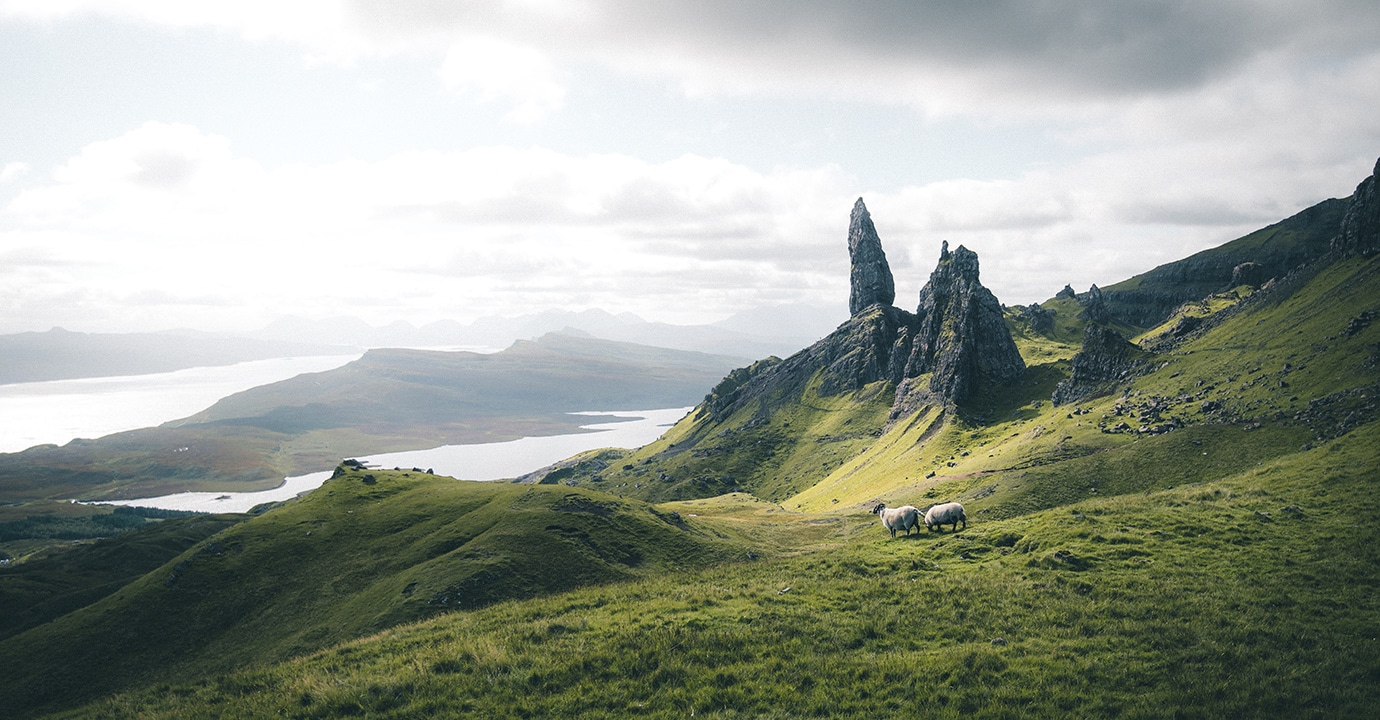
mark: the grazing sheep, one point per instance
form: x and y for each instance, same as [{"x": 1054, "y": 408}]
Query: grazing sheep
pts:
[
  {"x": 901, "y": 518},
  {"x": 938, "y": 515}
]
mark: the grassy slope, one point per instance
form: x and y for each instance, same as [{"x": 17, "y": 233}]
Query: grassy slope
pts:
[
  {"x": 44, "y": 588},
  {"x": 1251, "y": 595},
  {"x": 351, "y": 558},
  {"x": 774, "y": 448},
  {"x": 1275, "y": 364}
]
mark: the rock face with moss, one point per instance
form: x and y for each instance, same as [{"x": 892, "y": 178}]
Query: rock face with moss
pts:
[
  {"x": 1106, "y": 359},
  {"x": 1146, "y": 300},
  {"x": 960, "y": 339},
  {"x": 870, "y": 279},
  {"x": 955, "y": 342}
]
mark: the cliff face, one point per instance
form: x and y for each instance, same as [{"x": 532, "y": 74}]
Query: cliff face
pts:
[
  {"x": 1106, "y": 359},
  {"x": 1360, "y": 232},
  {"x": 1147, "y": 299},
  {"x": 954, "y": 344},
  {"x": 960, "y": 337}
]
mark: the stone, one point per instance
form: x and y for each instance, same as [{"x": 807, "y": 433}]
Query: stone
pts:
[
  {"x": 958, "y": 339},
  {"x": 1106, "y": 360},
  {"x": 1360, "y": 231},
  {"x": 961, "y": 338},
  {"x": 870, "y": 279},
  {"x": 1094, "y": 306},
  {"x": 1249, "y": 273}
]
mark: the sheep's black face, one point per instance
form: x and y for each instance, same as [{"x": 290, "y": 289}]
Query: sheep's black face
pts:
[{"x": 878, "y": 510}]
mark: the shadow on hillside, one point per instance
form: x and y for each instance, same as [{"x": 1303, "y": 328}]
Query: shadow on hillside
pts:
[{"x": 1020, "y": 400}]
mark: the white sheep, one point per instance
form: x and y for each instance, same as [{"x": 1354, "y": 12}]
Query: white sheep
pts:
[
  {"x": 938, "y": 515},
  {"x": 901, "y": 518}
]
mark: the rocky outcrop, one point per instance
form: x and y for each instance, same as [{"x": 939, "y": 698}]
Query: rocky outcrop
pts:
[
  {"x": 961, "y": 339},
  {"x": 1036, "y": 317},
  {"x": 871, "y": 281},
  {"x": 1360, "y": 232},
  {"x": 1105, "y": 361},
  {"x": 956, "y": 342},
  {"x": 1094, "y": 306},
  {"x": 1249, "y": 273}
]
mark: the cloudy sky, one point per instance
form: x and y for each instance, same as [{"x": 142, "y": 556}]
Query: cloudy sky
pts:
[{"x": 220, "y": 164}]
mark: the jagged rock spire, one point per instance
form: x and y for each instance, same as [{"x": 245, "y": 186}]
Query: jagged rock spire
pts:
[
  {"x": 961, "y": 336},
  {"x": 871, "y": 282}
]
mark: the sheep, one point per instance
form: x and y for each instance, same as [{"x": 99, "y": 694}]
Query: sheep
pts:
[
  {"x": 901, "y": 518},
  {"x": 938, "y": 515}
]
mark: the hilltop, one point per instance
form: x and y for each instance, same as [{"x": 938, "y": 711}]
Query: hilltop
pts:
[{"x": 1171, "y": 514}]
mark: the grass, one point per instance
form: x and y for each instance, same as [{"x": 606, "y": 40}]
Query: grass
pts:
[
  {"x": 1248, "y": 596},
  {"x": 367, "y": 551},
  {"x": 46, "y": 586}
]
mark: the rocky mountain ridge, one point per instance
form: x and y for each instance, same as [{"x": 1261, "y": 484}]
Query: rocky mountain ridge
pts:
[{"x": 954, "y": 344}]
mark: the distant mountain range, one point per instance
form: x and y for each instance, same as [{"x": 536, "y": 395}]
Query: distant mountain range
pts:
[{"x": 60, "y": 354}]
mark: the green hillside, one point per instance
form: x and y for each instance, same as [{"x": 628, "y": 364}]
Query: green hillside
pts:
[
  {"x": 369, "y": 550},
  {"x": 1194, "y": 537},
  {"x": 1249, "y": 596}
]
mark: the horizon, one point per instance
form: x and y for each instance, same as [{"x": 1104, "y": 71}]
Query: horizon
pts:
[{"x": 220, "y": 166}]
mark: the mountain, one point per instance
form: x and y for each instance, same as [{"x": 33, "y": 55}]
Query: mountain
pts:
[
  {"x": 764, "y": 427},
  {"x": 1189, "y": 531},
  {"x": 751, "y": 333},
  {"x": 60, "y": 355},
  {"x": 1266, "y": 254},
  {"x": 388, "y": 400}
]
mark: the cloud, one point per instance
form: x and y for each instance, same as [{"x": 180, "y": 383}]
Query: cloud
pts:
[
  {"x": 168, "y": 225},
  {"x": 495, "y": 69},
  {"x": 1172, "y": 127},
  {"x": 13, "y": 171},
  {"x": 172, "y": 209},
  {"x": 943, "y": 56}
]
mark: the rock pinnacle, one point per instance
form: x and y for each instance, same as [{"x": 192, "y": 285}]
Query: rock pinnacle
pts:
[{"x": 871, "y": 276}]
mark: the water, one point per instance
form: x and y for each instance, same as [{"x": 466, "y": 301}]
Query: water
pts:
[
  {"x": 483, "y": 461},
  {"x": 58, "y": 411}
]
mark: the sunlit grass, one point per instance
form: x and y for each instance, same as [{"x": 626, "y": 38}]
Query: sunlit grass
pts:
[{"x": 1247, "y": 596}]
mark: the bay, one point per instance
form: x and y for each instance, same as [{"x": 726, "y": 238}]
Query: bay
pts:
[
  {"x": 480, "y": 461},
  {"x": 59, "y": 411}
]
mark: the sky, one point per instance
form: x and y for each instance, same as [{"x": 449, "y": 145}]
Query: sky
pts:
[{"x": 218, "y": 165}]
